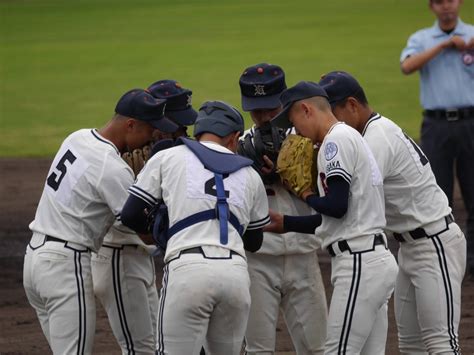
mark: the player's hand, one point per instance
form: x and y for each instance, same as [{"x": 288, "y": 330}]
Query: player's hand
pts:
[
  {"x": 269, "y": 166},
  {"x": 306, "y": 193},
  {"x": 276, "y": 224}
]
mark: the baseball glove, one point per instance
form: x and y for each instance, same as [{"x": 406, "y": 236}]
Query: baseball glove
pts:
[
  {"x": 265, "y": 140},
  {"x": 137, "y": 158},
  {"x": 296, "y": 164}
]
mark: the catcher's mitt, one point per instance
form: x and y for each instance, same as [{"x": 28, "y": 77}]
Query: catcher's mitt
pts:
[
  {"x": 137, "y": 158},
  {"x": 296, "y": 164},
  {"x": 266, "y": 140}
]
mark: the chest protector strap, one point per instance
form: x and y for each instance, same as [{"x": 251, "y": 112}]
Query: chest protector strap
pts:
[{"x": 220, "y": 164}]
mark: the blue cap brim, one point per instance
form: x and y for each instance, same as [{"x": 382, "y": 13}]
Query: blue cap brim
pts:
[
  {"x": 165, "y": 125},
  {"x": 260, "y": 103},
  {"x": 185, "y": 117},
  {"x": 282, "y": 119}
]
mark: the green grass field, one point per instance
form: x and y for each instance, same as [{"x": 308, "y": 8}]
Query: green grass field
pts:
[{"x": 64, "y": 64}]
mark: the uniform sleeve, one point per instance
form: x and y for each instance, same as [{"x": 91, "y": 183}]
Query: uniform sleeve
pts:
[
  {"x": 340, "y": 155},
  {"x": 414, "y": 46},
  {"x": 113, "y": 186},
  {"x": 147, "y": 187},
  {"x": 259, "y": 212}
]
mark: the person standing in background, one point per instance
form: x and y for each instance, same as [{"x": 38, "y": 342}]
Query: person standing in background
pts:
[{"x": 444, "y": 56}]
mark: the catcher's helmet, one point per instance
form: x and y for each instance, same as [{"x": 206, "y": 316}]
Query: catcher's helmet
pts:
[
  {"x": 219, "y": 118},
  {"x": 265, "y": 140}
]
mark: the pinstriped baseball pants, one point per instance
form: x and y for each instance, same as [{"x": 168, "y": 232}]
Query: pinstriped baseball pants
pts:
[
  {"x": 124, "y": 282},
  {"x": 428, "y": 293},
  {"x": 58, "y": 283}
]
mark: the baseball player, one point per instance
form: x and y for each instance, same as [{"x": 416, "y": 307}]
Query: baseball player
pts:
[
  {"x": 217, "y": 208},
  {"x": 123, "y": 271},
  {"x": 285, "y": 272},
  {"x": 350, "y": 224},
  {"x": 432, "y": 254},
  {"x": 178, "y": 107},
  {"x": 83, "y": 195}
]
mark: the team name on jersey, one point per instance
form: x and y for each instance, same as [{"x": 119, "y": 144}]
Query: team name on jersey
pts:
[{"x": 332, "y": 165}]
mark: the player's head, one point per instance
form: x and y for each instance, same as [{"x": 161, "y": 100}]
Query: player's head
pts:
[
  {"x": 178, "y": 106},
  {"x": 347, "y": 98},
  {"x": 260, "y": 89},
  {"x": 140, "y": 114},
  {"x": 306, "y": 107},
  {"x": 446, "y": 11},
  {"x": 220, "y": 122}
]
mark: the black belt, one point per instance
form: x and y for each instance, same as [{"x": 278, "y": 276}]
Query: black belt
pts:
[
  {"x": 420, "y": 233},
  {"x": 49, "y": 238},
  {"x": 451, "y": 114},
  {"x": 198, "y": 250},
  {"x": 54, "y": 239},
  {"x": 344, "y": 246}
]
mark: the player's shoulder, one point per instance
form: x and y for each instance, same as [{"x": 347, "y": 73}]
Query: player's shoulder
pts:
[
  {"x": 342, "y": 132},
  {"x": 379, "y": 124}
]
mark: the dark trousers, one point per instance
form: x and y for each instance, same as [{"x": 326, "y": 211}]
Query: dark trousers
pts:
[{"x": 449, "y": 145}]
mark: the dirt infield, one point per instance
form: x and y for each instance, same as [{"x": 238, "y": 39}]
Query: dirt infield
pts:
[{"x": 20, "y": 333}]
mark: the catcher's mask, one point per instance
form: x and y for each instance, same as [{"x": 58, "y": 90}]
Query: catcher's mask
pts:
[
  {"x": 219, "y": 118},
  {"x": 266, "y": 140}
]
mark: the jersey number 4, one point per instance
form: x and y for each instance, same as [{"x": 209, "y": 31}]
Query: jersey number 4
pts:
[{"x": 54, "y": 180}]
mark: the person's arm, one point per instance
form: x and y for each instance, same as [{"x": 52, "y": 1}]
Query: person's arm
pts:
[
  {"x": 416, "y": 61},
  {"x": 335, "y": 202},
  {"x": 301, "y": 224},
  {"x": 134, "y": 214}
]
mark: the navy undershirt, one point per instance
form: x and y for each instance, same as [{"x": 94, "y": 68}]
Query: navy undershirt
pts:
[{"x": 333, "y": 204}]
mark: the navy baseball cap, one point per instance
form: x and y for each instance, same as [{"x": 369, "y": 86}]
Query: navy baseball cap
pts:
[
  {"x": 219, "y": 118},
  {"x": 302, "y": 90},
  {"x": 261, "y": 86},
  {"x": 178, "y": 105},
  {"x": 141, "y": 105},
  {"x": 339, "y": 85}
]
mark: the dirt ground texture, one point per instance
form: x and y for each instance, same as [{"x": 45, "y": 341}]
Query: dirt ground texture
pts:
[{"x": 20, "y": 333}]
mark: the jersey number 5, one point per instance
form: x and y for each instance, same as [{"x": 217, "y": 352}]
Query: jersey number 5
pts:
[{"x": 54, "y": 180}]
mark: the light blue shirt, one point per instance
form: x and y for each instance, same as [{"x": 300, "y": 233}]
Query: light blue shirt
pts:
[{"x": 447, "y": 80}]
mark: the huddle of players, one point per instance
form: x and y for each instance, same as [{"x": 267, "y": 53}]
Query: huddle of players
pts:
[{"x": 367, "y": 166}]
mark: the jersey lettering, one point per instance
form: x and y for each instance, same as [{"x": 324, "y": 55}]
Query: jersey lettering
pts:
[
  {"x": 209, "y": 186},
  {"x": 423, "y": 158},
  {"x": 332, "y": 165},
  {"x": 54, "y": 180}
]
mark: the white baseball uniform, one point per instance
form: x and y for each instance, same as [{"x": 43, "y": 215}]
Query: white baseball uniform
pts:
[
  {"x": 285, "y": 274},
  {"x": 205, "y": 292},
  {"x": 84, "y": 193},
  {"x": 363, "y": 269},
  {"x": 432, "y": 254},
  {"x": 123, "y": 274}
]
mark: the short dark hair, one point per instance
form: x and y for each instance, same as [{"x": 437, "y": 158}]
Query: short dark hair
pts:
[{"x": 359, "y": 95}]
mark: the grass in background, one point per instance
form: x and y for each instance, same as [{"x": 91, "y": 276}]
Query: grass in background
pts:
[{"x": 64, "y": 64}]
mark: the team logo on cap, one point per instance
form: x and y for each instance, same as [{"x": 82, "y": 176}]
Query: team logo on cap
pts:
[
  {"x": 330, "y": 150},
  {"x": 259, "y": 90},
  {"x": 189, "y": 100}
]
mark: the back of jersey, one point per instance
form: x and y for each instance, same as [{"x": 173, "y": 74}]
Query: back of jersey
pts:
[
  {"x": 412, "y": 196},
  {"x": 179, "y": 178},
  {"x": 85, "y": 187}
]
